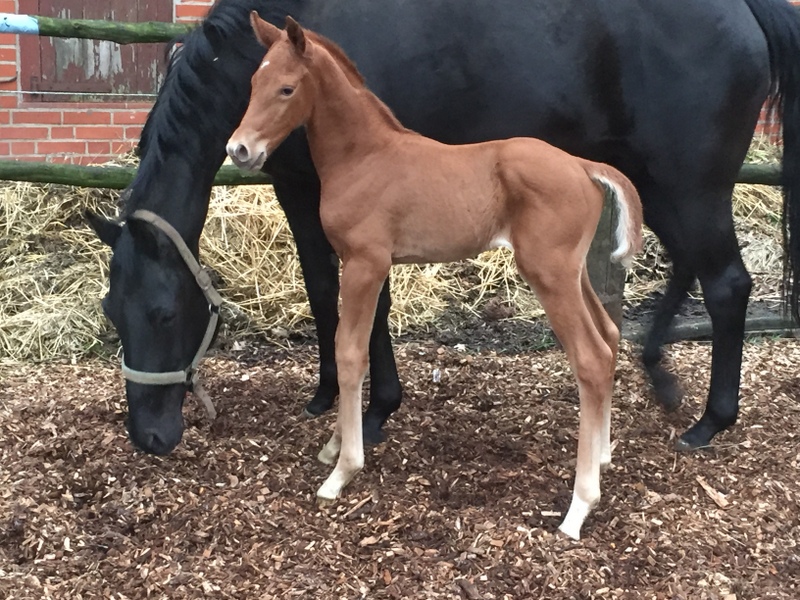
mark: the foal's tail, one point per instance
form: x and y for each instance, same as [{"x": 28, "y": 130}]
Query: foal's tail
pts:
[{"x": 629, "y": 209}]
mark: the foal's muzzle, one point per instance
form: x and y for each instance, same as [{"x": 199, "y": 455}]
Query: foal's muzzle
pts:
[{"x": 245, "y": 158}]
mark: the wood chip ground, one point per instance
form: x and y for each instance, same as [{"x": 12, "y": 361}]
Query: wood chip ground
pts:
[{"x": 462, "y": 501}]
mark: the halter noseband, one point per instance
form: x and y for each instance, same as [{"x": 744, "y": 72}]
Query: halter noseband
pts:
[{"x": 188, "y": 376}]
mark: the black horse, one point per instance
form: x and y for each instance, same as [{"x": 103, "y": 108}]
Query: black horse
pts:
[{"x": 668, "y": 91}]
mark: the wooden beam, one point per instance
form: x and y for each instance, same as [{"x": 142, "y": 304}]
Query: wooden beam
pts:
[
  {"x": 120, "y": 177},
  {"x": 116, "y": 178},
  {"x": 97, "y": 29}
]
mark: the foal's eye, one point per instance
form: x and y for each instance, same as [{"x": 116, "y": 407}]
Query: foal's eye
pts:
[{"x": 287, "y": 90}]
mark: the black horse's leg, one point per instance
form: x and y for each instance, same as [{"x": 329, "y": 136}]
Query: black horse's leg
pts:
[
  {"x": 666, "y": 387},
  {"x": 385, "y": 392},
  {"x": 300, "y": 203},
  {"x": 320, "y": 265},
  {"x": 726, "y": 289},
  {"x": 698, "y": 233}
]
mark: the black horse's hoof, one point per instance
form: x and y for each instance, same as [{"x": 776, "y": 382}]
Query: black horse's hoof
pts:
[
  {"x": 687, "y": 443},
  {"x": 318, "y": 405},
  {"x": 667, "y": 390},
  {"x": 682, "y": 445},
  {"x": 373, "y": 436}
]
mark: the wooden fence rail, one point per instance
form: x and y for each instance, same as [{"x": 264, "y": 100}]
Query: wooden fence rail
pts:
[
  {"x": 112, "y": 31},
  {"x": 111, "y": 177},
  {"x": 119, "y": 177}
]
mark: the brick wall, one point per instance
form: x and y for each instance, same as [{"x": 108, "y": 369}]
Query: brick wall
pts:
[{"x": 68, "y": 132}]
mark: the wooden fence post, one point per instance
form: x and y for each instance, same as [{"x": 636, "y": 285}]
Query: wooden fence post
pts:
[{"x": 608, "y": 279}]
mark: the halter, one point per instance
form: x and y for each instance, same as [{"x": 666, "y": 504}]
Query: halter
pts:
[{"x": 190, "y": 375}]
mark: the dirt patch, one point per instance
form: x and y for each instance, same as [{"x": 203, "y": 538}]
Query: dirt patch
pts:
[{"x": 463, "y": 501}]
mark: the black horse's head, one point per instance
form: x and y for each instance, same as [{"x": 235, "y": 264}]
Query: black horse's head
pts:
[
  {"x": 163, "y": 319},
  {"x": 156, "y": 298}
]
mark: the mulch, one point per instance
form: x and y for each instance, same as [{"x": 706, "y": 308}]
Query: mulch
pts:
[{"x": 462, "y": 501}]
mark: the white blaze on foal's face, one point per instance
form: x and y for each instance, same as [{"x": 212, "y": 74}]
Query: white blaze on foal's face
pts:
[{"x": 263, "y": 64}]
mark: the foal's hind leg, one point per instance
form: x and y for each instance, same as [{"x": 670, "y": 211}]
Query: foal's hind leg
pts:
[
  {"x": 557, "y": 282},
  {"x": 608, "y": 329},
  {"x": 362, "y": 279}
]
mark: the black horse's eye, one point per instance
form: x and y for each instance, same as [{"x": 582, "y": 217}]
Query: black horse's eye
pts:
[
  {"x": 161, "y": 316},
  {"x": 287, "y": 90}
]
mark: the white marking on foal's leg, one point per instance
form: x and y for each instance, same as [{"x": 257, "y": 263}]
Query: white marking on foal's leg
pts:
[
  {"x": 351, "y": 452},
  {"x": 605, "y": 439},
  {"x": 579, "y": 509},
  {"x": 330, "y": 451},
  {"x": 586, "y": 493}
]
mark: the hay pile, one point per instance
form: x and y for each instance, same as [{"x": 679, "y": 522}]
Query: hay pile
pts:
[{"x": 53, "y": 270}]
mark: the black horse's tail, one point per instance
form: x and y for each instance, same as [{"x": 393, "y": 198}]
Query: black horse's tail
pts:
[{"x": 780, "y": 22}]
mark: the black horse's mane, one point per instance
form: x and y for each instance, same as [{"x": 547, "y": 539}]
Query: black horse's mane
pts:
[{"x": 203, "y": 96}]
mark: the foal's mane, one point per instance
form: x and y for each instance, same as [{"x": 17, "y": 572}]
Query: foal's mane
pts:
[{"x": 355, "y": 77}]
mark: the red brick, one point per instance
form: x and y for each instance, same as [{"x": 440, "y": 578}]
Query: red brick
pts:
[
  {"x": 91, "y": 106},
  {"x": 5, "y": 149},
  {"x": 133, "y": 133},
  {"x": 22, "y": 148},
  {"x": 190, "y": 12},
  {"x": 95, "y": 148},
  {"x": 8, "y": 101},
  {"x": 122, "y": 147},
  {"x": 87, "y": 117},
  {"x": 5, "y": 117},
  {"x": 24, "y": 133},
  {"x": 8, "y": 6},
  {"x": 99, "y": 133},
  {"x": 130, "y": 117},
  {"x": 8, "y": 70},
  {"x": 61, "y": 147},
  {"x": 8, "y": 54},
  {"x": 37, "y": 116},
  {"x": 8, "y": 39},
  {"x": 9, "y": 85},
  {"x": 89, "y": 159},
  {"x": 62, "y": 133}
]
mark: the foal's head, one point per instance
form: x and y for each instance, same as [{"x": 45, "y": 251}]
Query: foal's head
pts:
[{"x": 282, "y": 93}]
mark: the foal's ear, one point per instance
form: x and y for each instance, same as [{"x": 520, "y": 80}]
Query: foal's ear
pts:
[
  {"x": 266, "y": 33},
  {"x": 107, "y": 230},
  {"x": 296, "y": 35}
]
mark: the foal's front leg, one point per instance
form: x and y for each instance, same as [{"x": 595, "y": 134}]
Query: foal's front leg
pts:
[{"x": 362, "y": 280}]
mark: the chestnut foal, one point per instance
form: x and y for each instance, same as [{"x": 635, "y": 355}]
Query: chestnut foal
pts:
[{"x": 390, "y": 196}]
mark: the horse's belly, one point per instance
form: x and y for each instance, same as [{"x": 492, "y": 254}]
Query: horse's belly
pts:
[{"x": 441, "y": 241}]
